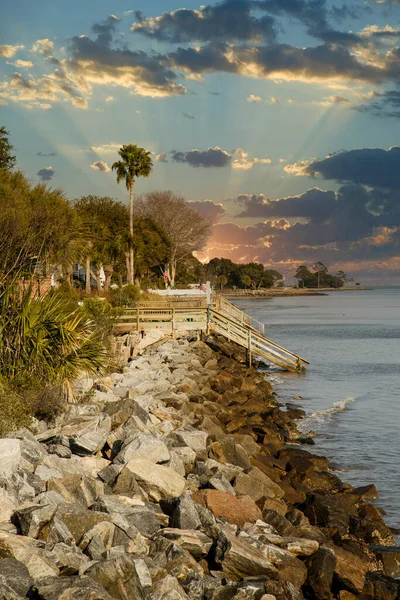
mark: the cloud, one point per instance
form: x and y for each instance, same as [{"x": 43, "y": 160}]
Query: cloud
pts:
[
  {"x": 46, "y": 154},
  {"x": 110, "y": 99},
  {"x": 375, "y": 167},
  {"x": 213, "y": 157},
  {"x": 353, "y": 225},
  {"x": 253, "y": 98},
  {"x": 98, "y": 61},
  {"x": 46, "y": 174},
  {"x": 212, "y": 211},
  {"x": 43, "y": 46},
  {"x": 230, "y": 19},
  {"x": 110, "y": 148},
  {"x": 216, "y": 157},
  {"x": 100, "y": 165},
  {"x": 275, "y": 100},
  {"x": 40, "y": 92},
  {"x": 162, "y": 157},
  {"x": 381, "y": 104},
  {"x": 23, "y": 64},
  {"x": 188, "y": 116},
  {"x": 334, "y": 101},
  {"x": 8, "y": 51}
]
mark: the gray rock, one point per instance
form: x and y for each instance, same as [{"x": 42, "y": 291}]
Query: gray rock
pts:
[
  {"x": 14, "y": 574},
  {"x": 157, "y": 481},
  {"x": 88, "y": 436},
  {"x": 187, "y": 456},
  {"x": 240, "y": 559},
  {"x": 195, "y": 542},
  {"x": 60, "y": 451},
  {"x": 10, "y": 452},
  {"x": 185, "y": 515},
  {"x": 119, "y": 577},
  {"x": 257, "y": 485},
  {"x": 221, "y": 483},
  {"x": 143, "y": 446},
  {"x": 196, "y": 440},
  {"x": 31, "y": 520},
  {"x": 168, "y": 588},
  {"x": 71, "y": 588}
]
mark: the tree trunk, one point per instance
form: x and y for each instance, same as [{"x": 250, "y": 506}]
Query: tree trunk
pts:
[
  {"x": 173, "y": 273},
  {"x": 98, "y": 280},
  {"x": 131, "y": 251},
  {"x": 318, "y": 278},
  {"x": 128, "y": 266},
  {"x": 87, "y": 280},
  {"x": 108, "y": 271}
]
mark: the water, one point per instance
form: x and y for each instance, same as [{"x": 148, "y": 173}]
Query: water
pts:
[{"x": 351, "y": 389}]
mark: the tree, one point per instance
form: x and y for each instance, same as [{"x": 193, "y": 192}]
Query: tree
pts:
[
  {"x": 7, "y": 158},
  {"x": 222, "y": 280},
  {"x": 303, "y": 275},
  {"x": 135, "y": 162},
  {"x": 186, "y": 229},
  {"x": 344, "y": 277},
  {"x": 320, "y": 270}
]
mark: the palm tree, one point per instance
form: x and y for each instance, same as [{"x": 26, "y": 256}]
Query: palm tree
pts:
[{"x": 135, "y": 162}]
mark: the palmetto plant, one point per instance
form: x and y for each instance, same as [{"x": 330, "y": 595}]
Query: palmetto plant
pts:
[
  {"x": 46, "y": 340},
  {"x": 135, "y": 162}
]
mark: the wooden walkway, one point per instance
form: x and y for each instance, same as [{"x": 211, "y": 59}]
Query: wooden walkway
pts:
[{"x": 223, "y": 318}]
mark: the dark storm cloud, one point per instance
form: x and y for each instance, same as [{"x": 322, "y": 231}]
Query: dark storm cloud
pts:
[
  {"x": 229, "y": 20},
  {"x": 98, "y": 61},
  {"x": 382, "y": 104},
  {"x": 353, "y": 223},
  {"x": 213, "y": 157},
  {"x": 375, "y": 167},
  {"x": 315, "y": 203},
  {"x": 213, "y": 212},
  {"x": 314, "y": 16},
  {"x": 46, "y": 174}
]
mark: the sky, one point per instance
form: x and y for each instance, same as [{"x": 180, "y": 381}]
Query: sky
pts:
[{"x": 278, "y": 119}]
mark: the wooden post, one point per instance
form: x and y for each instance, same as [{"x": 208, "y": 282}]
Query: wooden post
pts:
[
  {"x": 137, "y": 318},
  {"x": 249, "y": 350},
  {"x": 173, "y": 322}
]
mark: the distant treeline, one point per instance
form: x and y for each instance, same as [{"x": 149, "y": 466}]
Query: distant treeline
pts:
[{"x": 319, "y": 277}]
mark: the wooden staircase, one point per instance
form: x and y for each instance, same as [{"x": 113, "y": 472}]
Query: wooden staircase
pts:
[{"x": 222, "y": 317}]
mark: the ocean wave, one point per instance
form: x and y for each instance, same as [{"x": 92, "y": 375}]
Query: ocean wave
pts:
[{"x": 323, "y": 415}]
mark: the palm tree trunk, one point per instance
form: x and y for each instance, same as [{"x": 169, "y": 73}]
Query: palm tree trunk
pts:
[
  {"x": 131, "y": 251},
  {"x": 98, "y": 280},
  {"x": 108, "y": 271},
  {"x": 87, "y": 280},
  {"x": 128, "y": 266}
]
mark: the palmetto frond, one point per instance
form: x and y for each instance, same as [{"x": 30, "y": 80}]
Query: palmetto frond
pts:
[{"x": 135, "y": 162}]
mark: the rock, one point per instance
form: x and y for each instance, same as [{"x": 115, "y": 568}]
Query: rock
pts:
[
  {"x": 10, "y": 452},
  {"x": 14, "y": 574},
  {"x": 296, "y": 546},
  {"x": 195, "y": 542},
  {"x": 289, "y": 567},
  {"x": 31, "y": 520},
  {"x": 194, "y": 439},
  {"x": 237, "y": 511},
  {"x": 276, "y": 504},
  {"x": 221, "y": 483},
  {"x": 122, "y": 577},
  {"x": 77, "y": 488},
  {"x": 228, "y": 451},
  {"x": 168, "y": 588},
  {"x": 279, "y": 522},
  {"x": 88, "y": 436},
  {"x": 283, "y": 590},
  {"x": 185, "y": 515},
  {"x": 187, "y": 456},
  {"x": 68, "y": 558},
  {"x": 157, "y": 481},
  {"x": 29, "y": 552},
  {"x": 257, "y": 485},
  {"x": 60, "y": 451},
  {"x": 350, "y": 569},
  {"x": 77, "y": 519},
  {"x": 8, "y": 504},
  {"x": 321, "y": 567},
  {"x": 240, "y": 559},
  {"x": 71, "y": 588},
  {"x": 381, "y": 587},
  {"x": 142, "y": 446}
]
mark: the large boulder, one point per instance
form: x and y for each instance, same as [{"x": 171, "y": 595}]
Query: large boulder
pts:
[
  {"x": 237, "y": 511},
  {"x": 142, "y": 446},
  {"x": 10, "y": 452},
  {"x": 157, "y": 481},
  {"x": 257, "y": 485},
  {"x": 71, "y": 588},
  {"x": 241, "y": 559},
  {"x": 122, "y": 577},
  {"x": 321, "y": 567}
]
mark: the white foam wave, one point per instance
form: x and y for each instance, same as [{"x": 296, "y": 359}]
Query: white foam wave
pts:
[{"x": 323, "y": 415}]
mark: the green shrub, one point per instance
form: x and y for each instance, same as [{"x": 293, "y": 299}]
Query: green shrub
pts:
[
  {"x": 15, "y": 411},
  {"x": 127, "y": 295}
]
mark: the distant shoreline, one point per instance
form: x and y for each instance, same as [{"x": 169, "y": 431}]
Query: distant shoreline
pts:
[{"x": 283, "y": 292}]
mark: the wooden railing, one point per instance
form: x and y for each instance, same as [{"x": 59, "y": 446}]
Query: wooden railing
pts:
[
  {"x": 222, "y": 317},
  {"x": 256, "y": 343}
]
